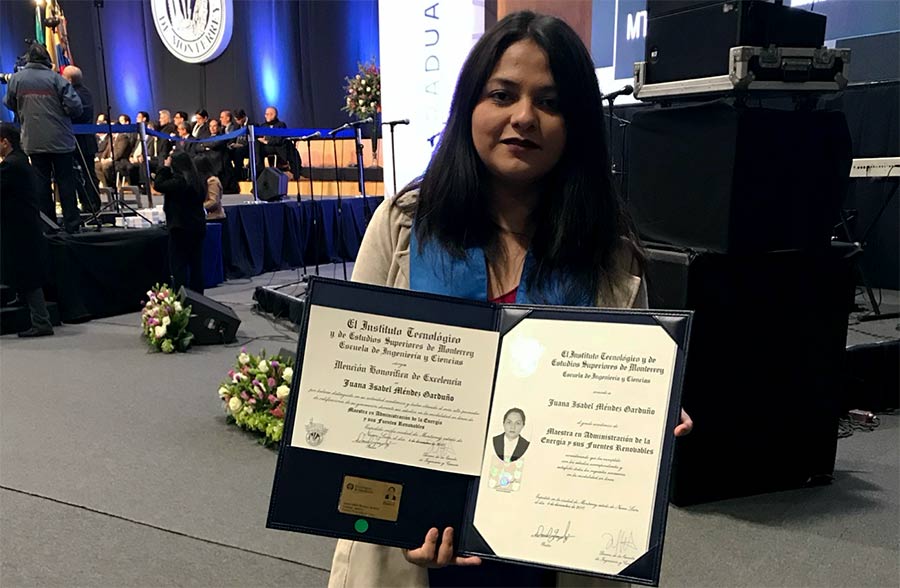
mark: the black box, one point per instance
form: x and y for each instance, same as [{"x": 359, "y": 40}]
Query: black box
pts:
[
  {"x": 690, "y": 39},
  {"x": 737, "y": 180},
  {"x": 763, "y": 379}
]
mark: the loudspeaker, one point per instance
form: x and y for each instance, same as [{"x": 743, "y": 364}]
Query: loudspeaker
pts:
[
  {"x": 688, "y": 39},
  {"x": 763, "y": 377},
  {"x": 211, "y": 322},
  {"x": 730, "y": 179},
  {"x": 272, "y": 184}
]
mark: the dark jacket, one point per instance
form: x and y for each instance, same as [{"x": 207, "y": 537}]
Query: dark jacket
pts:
[
  {"x": 183, "y": 204},
  {"x": 521, "y": 446},
  {"x": 87, "y": 143},
  {"x": 275, "y": 124},
  {"x": 199, "y": 131},
  {"x": 23, "y": 249},
  {"x": 45, "y": 103},
  {"x": 121, "y": 147}
]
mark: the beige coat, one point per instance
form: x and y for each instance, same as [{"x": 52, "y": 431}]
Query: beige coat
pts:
[{"x": 383, "y": 259}]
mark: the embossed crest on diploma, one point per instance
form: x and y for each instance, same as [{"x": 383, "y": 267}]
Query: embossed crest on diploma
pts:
[{"x": 397, "y": 390}]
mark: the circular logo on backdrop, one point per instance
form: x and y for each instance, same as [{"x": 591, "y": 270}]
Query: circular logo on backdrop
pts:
[{"x": 195, "y": 31}]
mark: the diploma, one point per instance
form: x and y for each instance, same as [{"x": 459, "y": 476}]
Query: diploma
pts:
[
  {"x": 544, "y": 435},
  {"x": 594, "y": 399},
  {"x": 390, "y": 389}
]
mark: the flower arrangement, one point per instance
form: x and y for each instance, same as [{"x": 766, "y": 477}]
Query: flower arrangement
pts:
[
  {"x": 164, "y": 320},
  {"x": 364, "y": 91},
  {"x": 256, "y": 392}
]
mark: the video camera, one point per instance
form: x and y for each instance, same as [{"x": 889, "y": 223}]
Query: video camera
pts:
[{"x": 21, "y": 60}]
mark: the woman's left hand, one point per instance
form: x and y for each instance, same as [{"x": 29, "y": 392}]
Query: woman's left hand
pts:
[{"x": 686, "y": 426}]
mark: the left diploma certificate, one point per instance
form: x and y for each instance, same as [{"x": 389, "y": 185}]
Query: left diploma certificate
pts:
[{"x": 390, "y": 389}]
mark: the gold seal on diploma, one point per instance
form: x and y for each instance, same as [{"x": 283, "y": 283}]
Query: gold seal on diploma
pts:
[{"x": 370, "y": 498}]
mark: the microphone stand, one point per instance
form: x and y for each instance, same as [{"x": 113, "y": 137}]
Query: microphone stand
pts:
[
  {"x": 360, "y": 170},
  {"x": 393, "y": 124},
  {"x": 312, "y": 197},
  {"x": 117, "y": 202},
  {"x": 340, "y": 209}
]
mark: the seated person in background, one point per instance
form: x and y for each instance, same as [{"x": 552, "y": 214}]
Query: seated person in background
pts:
[
  {"x": 167, "y": 127},
  {"x": 201, "y": 125},
  {"x": 181, "y": 117},
  {"x": 213, "y": 202},
  {"x": 226, "y": 122},
  {"x": 285, "y": 152},
  {"x": 113, "y": 156},
  {"x": 135, "y": 171},
  {"x": 180, "y": 143},
  {"x": 237, "y": 152},
  {"x": 123, "y": 147},
  {"x": 216, "y": 151}
]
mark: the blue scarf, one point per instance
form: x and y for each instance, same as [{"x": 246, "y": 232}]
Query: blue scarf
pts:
[{"x": 432, "y": 269}]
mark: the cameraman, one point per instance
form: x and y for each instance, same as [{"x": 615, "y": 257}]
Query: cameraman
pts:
[{"x": 45, "y": 103}]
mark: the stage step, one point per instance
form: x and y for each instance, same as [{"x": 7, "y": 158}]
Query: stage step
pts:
[{"x": 16, "y": 318}]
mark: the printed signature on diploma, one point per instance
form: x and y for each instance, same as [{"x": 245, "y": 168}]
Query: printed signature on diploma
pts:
[
  {"x": 439, "y": 450},
  {"x": 377, "y": 438},
  {"x": 550, "y": 535},
  {"x": 619, "y": 544}
]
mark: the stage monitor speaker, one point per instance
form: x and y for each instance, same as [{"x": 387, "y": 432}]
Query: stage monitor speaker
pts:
[
  {"x": 737, "y": 180},
  {"x": 763, "y": 379},
  {"x": 272, "y": 184},
  {"x": 211, "y": 322},
  {"x": 689, "y": 39}
]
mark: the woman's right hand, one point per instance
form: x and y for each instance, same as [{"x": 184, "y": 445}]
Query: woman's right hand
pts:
[{"x": 432, "y": 556}]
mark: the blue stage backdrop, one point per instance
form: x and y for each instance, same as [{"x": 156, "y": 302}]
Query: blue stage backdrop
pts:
[{"x": 291, "y": 54}]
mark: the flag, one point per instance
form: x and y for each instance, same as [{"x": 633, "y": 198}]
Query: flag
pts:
[{"x": 50, "y": 29}]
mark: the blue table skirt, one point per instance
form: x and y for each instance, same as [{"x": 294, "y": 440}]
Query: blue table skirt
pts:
[
  {"x": 269, "y": 236},
  {"x": 213, "y": 263}
]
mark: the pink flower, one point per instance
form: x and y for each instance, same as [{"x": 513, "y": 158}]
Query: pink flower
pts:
[
  {"x": 230, "y": 373},
  {"x": 244, "y": 395},
  {"x": 271, "y": 382},
  {"x": 277, "y": 412},
  {"x": 273, "y": 399},
  {"x": 252, "y": 401}
]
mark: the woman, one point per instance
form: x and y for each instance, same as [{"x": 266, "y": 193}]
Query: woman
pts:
[
  {"x": 184, "y": 193},
  {"x": 510, "y": 445},
  {"x": 215, "y": 213},
  {"x": 516, "y": 206}
]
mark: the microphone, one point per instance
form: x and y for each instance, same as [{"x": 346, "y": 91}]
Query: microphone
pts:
[
  {"x": 402, "y": 121},
  {"x": 350, "y": 125},
  {"x": 626, "y": 91},
  {"x": 315, "y": 135}
]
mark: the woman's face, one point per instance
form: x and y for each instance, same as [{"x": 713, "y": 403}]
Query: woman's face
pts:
[
  {"x": 517, "y": 130},
  {"x": 513, "y": 425}
]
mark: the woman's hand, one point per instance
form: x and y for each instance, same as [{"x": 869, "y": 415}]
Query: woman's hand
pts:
[
  {"x": 686, "y": 426},
  {"x": 432, "y": 556}
]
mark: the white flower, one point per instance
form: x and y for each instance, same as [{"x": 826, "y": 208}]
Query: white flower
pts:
[
  {"x": 282, "y": 392},
  {"x": 235, "y": 404},
  {"x": 236, "y": 378},
  {"x": 243, "y": 358},
  {"x": 177, "y": 306},
  {"x": 159, "y": 331},
  {"x": 263, "y": 366},
  {"x": 223, "y": 391},
  {"x": 287, "y": 374},
  {"x": 166, "y": 321}
]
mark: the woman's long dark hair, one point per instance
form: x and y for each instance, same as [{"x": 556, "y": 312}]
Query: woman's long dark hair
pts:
[
  {"x": 581, "y": 217},
  {"x": 183, "y": 165},
  {"x": 204, "y": 169}
]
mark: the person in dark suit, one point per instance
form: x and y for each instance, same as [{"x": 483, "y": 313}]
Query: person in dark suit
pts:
[
  {"x": 23, "y": 250},
  {"x": 86, "y": 145},
  {"x": 285, "y": 152},
  {"x": 201, "y": 126},
  {"x": 237, "y": 151},
  {"x": 510, "y": 446},
  {"x": 184, "y": 193}
]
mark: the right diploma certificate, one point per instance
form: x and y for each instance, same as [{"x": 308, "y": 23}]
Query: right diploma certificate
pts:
[{"x": 590, "y": 403}]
